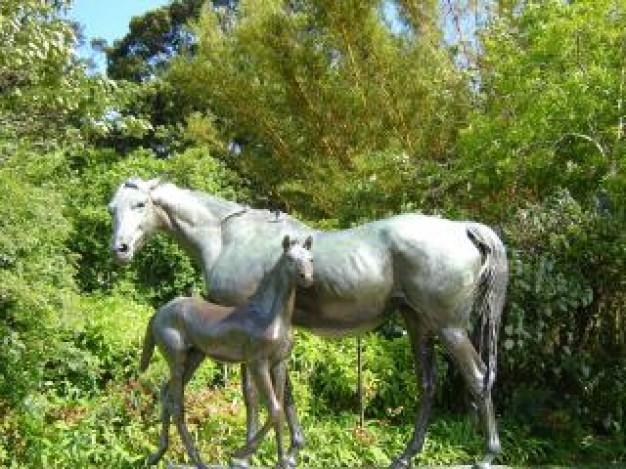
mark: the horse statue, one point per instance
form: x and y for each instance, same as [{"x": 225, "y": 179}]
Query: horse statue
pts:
[
  {"x": 432, "y": 270},
  {"x": 257, "y": 333}
]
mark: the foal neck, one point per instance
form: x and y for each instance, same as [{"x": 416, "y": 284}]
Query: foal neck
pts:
[{"x": 274, "y": 297}]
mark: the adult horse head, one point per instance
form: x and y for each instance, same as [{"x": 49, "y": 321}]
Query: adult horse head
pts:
[{"x": 134, "y": 215}]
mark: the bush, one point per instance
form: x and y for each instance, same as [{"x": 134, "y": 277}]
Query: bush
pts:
[{"x": 563, "y": 349}]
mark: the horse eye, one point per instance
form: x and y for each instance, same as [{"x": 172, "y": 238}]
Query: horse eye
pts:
[{"x": 140, "y": 205}]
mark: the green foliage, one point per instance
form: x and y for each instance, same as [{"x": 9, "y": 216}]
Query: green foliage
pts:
[
  {"x": 304, "y": 90},
  {"x": 550, "y": 105},
  {"x": 153, "y": 39},
  {"x": 563, "y": 328},
  {"x": 35, "y": 267}
]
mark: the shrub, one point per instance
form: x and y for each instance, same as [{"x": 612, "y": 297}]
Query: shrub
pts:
[{"x": 563, "y": 349}]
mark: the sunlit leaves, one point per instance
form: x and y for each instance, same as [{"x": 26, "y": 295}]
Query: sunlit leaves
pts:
[
  {"x": 306, "y": 90},
  {"x": 551, "y": 99}
]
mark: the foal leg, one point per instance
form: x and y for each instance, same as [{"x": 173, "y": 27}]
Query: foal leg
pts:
[
  {"x": 291, "y": 415},
  {"x": 473, "y": 370},
  {"x": 251, "y": 399},
  {"x": 194, "y": 359},
  {"x": 423, "y": 350},
  {"x": 279, "y": 377},
  {"x": 155, "y": 457},
  {"x": 177, "y": 385},
  {"x": 260, "y": 372}
]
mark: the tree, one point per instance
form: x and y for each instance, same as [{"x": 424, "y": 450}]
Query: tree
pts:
[
  {"x": 154, "y": 38},
  {"x": 550, "y": 105},
  {"x": 46, "y": 94},
  {"x": 49, "y": 108},
  {"x": 301, "y": 91},
  {"x": 141, "y": 56}
]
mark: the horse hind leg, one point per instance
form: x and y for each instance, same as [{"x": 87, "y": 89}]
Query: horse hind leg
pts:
[
  {"x": 423, "y": 350},
  {"x": 473, "y": 370}
]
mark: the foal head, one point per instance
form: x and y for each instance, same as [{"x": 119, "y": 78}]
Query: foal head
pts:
[{"x": 299, "y": 260}]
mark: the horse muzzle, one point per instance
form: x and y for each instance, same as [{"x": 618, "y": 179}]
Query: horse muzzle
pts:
[
  {"x": 305, "y": 280},
  {"x": 123, "y": 252}
]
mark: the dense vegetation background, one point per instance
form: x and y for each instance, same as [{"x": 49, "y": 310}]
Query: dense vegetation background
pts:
[{"x": 508, "y": 112}]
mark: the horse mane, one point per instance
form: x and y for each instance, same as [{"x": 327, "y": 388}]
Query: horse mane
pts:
[{"x": 226, "y": 207}]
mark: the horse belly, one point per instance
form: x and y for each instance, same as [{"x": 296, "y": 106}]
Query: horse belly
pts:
[
  {"x": 342, "y": 318},
  {"x": 351, "y": 294}
]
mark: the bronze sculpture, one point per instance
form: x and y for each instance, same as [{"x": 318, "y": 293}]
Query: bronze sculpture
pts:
[
  {"x": 257, "y": 333},
  {"x": 431, "y": 269}
]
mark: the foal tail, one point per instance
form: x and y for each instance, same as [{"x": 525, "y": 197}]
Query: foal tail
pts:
[
  {"x": 148, "y": 347},
  {"x": 493, "y": 281}
]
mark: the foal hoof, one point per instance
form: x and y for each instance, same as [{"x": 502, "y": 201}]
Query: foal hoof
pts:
[
  {"x": 154, "y": 459},
  {"x": 401, "y": 463},
  {"x": 286, "y": 463},
  {"x": 482, "y": 465}
]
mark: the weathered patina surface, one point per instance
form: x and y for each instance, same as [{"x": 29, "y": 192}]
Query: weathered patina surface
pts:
[
  {"x": 432, "y": 270},
  {"x": 257, "y": 333}
]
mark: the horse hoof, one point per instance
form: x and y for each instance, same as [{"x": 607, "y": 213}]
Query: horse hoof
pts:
[
  {"x": 401, "y": 463},
  {"x": 238, "y": 463}
]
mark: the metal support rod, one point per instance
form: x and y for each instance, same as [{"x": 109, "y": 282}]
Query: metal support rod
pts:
[{"x": 359, "y": 364}]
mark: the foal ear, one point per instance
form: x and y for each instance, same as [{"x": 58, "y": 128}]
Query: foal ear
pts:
[
  {"x": 308, "y": 242},
  {"x": 286, "y": 243}
]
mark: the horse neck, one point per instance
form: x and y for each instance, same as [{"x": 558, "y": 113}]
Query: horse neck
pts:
[
  {"x": 276, "y": 292},
  {"x": 195, "y": 226}
]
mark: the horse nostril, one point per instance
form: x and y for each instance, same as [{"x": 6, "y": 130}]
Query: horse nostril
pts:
[{"x": 122, "y": 247}]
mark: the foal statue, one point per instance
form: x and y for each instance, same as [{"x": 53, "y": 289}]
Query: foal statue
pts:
[
  {"x": 437, "y": 273},
  {"x": 257, "y": 333}
]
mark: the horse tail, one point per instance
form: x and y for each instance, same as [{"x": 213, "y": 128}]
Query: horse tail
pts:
[
  {"x": 492, "y": 285},
  {"x": 148, "y": 347}
]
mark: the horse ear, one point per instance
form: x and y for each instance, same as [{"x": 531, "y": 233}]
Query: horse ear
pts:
[
  {"x": 286, "y": 243},
  {"x": 308, "y": 242},
  {"x": 152, "y": 183}
]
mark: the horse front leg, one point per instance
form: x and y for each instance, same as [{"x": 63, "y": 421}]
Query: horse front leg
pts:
[
  {"x": 473, "y": 370},
  {"x": 423, "y": 350},
  {"x": 251, "y": 400}
]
